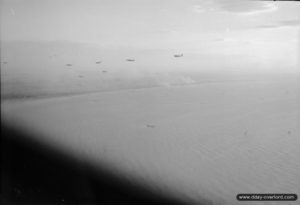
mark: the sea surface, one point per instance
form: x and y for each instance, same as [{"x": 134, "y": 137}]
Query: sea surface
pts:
[{"x": 203, "y": 142}]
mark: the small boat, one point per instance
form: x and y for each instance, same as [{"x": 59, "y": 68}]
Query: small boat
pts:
[
  {"x": 178, "y": 55},
  {"x": 130, "y": 60},
  {"x": 151, "y": 126}
]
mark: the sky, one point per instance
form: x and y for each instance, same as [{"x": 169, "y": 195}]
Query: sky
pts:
[{"x": 263, "y": 32}]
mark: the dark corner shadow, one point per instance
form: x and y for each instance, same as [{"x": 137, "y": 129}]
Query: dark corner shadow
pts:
[{"x": 34, "y": 174}]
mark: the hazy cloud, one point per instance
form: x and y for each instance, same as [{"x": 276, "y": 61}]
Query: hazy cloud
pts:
[
  {"x": 294, "y": 22},
  {"x": 205, "y": 6},
  {"x": 235, "y": 6},
  {"x": 247, "y": 7},
  {"x": 286, "y": 23},
  {"x": 267, "y": 26}
]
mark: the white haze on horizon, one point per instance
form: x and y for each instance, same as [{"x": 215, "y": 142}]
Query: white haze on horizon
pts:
[
  {"x": 229, "y": 38},
  {"x": 41, "y": 68}
]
